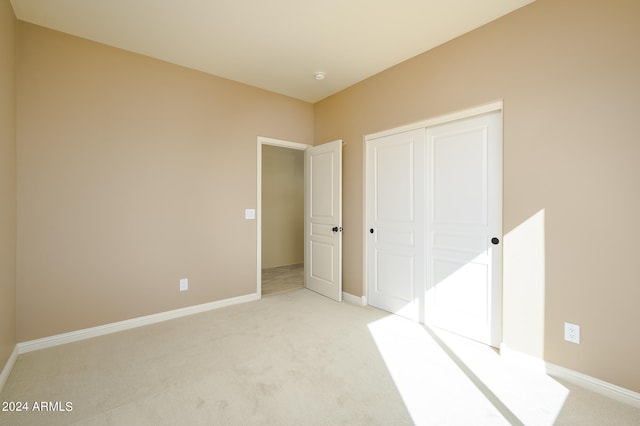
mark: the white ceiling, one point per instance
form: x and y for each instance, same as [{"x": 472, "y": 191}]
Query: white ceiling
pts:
[{"x": 276, "y": 45}]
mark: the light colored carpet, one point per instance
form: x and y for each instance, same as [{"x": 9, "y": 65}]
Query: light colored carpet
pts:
[{"x": 295, "y": 358}]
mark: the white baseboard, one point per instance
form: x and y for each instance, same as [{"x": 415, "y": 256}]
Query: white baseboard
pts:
[
  {"x": 595, "y": 385},
  {"x": 356, "y": 300},
  {"x": 4, "y": 374},
  {"x": 87, "y": 333},
  {"x": 591, "y": 383}
]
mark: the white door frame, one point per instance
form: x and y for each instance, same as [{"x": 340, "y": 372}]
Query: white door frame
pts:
[
  {"x": 274, "y": 142},
  {"x": 482, "y": 109},
  {"x": 494, "y": 106}
]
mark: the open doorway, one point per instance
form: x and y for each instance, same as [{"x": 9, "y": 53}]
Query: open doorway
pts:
[{"x": 280, "y": 216}]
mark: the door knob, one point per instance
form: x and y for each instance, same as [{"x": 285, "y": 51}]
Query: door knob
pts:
[
  {"x": 371, "y": 230},
  {"x": 495, "y": 240},
  {"x": 337, "y": 229}
]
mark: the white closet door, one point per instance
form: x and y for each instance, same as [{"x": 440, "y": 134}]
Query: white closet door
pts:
[
  {"x": 434, "y": 225},
  {"x": 395, "y": 229},
  {"x": 464, "y": 227}
]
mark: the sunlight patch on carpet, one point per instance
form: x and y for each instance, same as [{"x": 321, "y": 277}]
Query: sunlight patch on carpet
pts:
[{"x": 444, "y": 379}]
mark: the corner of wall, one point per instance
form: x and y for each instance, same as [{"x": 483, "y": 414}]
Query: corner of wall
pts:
[{"x": 8, "y": 188}]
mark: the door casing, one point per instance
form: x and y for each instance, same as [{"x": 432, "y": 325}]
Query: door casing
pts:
[{"x": 274, "y": 142}]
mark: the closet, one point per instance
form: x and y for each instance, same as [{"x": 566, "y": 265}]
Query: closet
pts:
[{"x": 434, "y": 222}]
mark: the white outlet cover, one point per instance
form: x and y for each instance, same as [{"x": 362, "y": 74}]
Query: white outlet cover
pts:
[
  {"x": 572, "y": 332},
  {"x": 184, "y": 284},
  {"x": 250, "y": 213}
]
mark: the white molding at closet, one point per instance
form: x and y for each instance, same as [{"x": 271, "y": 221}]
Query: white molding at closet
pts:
[{"x": 482, "y": 109}]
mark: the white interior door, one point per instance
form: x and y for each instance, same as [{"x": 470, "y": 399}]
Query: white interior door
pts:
[
  {"x": 395, "y": 216},
  {"x": 323, "y": 219},
  {"x": 464, "y": 215}
]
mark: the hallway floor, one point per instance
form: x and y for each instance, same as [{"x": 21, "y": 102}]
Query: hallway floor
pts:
[{"x": 282, "y": 279}]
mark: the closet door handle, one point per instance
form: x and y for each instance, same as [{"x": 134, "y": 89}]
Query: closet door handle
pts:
[{"x": 495, "y": 241}]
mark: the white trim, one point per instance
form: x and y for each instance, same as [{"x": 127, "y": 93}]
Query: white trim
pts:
[
  {"x": 88, "y": 333},
  {"x": 282, "y": 144},
  {"x": 4, "y": 375},
  {"x": 482, "y": 109},
  {"x": 601, "y": 387},
  {"x": 365, "y": 235},
  {"x": 595, "y": 385},
  {"x": 355, "y": 300}
]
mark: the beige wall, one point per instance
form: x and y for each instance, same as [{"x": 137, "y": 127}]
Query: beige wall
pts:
[
  {"x": 132, "y": 174},
  {"x": 7, "y": 181},
  {"x": 569, "y": 75},
  {"x": 282, "y": 206}
]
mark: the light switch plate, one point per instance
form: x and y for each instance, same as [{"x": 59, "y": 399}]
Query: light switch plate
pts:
[{"x": 250, "y": 213}]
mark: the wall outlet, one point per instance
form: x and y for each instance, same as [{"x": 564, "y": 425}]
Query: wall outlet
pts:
[
  {"x": 184, "y": 284},
  {"x": 572, "y": 332}
]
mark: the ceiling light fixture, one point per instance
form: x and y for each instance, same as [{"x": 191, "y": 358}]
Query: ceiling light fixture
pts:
[{"x": 319, "y": 75}]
